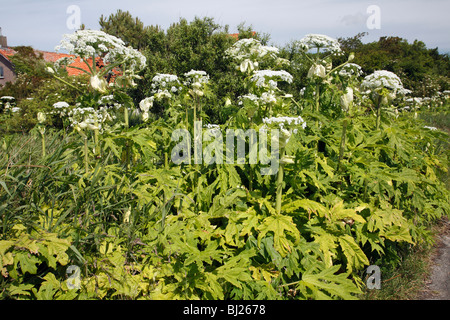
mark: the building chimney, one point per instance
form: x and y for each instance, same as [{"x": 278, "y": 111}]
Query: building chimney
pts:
[{"x": 3, "y": 40}]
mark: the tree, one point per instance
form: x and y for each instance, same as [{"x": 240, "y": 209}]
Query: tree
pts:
[{"x": 124, "y": 26}]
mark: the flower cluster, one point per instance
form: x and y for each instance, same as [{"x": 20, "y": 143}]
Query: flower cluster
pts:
[
  {"x": 288, "y": 125},
  {"x": 197, "y": 80},
  {"x": 90, "y": 43},
  {"x": 61, "y": 108},
  {"x": 269, "y": 78},
  {"x": 266, "y": 98},
  {"x": 89, "y": 117},
  {"x": 289, "y": 121},
  {"x": 382, "y": 79},
  {"x": 319, "y": 41},
  {"x": 162, "y": 83},
  {"x": 6, "y": 104},
  {"x": 108, "y": 101},
  {"x": 249, "y": 52},
  {"x": 350, "y": 70}
]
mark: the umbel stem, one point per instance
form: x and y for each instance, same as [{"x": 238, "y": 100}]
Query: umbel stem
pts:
[
  {"x": 86, "y": 159},
  {"x": 378, "y": 111},
  {"x": 342, "y": 146},
  {"x": 43, "y": 144},
  {"x": 280, "y": 178}
]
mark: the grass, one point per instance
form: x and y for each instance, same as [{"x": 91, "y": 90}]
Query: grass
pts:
[{"x": 407, "y": 282}]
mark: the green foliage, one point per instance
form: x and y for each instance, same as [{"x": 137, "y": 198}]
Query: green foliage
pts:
[
  {"x": 111, "y": 201},
  {"x": 423, "y": 70}
]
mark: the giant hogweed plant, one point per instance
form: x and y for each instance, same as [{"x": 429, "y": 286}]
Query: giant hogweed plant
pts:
[{"x": 142, "y": 227}]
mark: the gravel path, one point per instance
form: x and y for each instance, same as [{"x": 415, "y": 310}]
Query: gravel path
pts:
[{"x": 438, "y": 285}]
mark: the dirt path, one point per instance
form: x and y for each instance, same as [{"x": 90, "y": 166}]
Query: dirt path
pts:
[{"x": 438, "y": 284}]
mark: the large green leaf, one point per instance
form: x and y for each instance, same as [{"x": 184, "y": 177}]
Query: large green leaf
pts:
[{"x": 280, "y": 226}]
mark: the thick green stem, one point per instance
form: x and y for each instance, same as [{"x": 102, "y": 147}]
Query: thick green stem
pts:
[
  {"x": 280, "y": 178},
  {"x": 126, "y": 116},
  {"x": 43, "y": 144},
  {"x": 342, "y": 147},
  {"x": 317, "y": 98},
  {"x": 96, "y": 135},
  {"x": 86, "y": 159},
  {"x": 378, "y": 112}
]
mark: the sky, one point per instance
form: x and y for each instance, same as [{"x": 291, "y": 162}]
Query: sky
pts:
[{"x": 41, "y": 23}]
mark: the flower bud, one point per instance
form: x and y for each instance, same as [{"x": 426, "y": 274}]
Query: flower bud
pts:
[
  {"x": 146, "y": 104},
  {"x": 41, "y": 117},
  {"x": 317, "y": 70},
  {"x": 99, "y": 84},
  {"x": 351, "y": 56},
  {"x": 347, "y": 99}
]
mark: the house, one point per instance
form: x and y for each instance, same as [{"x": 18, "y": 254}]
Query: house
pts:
[{"x": 8, "y": 74}]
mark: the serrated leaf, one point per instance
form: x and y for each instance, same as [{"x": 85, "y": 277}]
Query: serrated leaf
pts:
[
  {"x": 309, "y": 205},
  {"x": 326, "y": 284},
  {"x": 22, "y": 289},
  {"x": 353, "y": 253},
  {"x": 279, "y": 225}
]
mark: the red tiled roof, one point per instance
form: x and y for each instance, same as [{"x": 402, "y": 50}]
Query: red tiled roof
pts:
[
  {"x": 6, "y": 52},
  {"x": 236, "y": 35},
  {"x": 54, "y": 56}
]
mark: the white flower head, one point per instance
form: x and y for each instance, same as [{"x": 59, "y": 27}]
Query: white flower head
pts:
[
  {"x": 321, "y": 42},
  {"x": 162, "y": 81},
  {"x": 382, "y": 79},
  {"x": 350, "y": 70},
  {"x": 89, "y": 43},
  {"x": 268, "y": 78}
]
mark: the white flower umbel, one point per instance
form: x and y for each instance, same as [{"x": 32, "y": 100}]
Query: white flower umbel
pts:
[
  {"x": 382, "y": 79},
  {"x": 350, "y": 70},
  {"x": 268, "y": 78},
  {"x": 90, "y": 44},
  {"x": 249, "y": 52},
  {"x": 196, "y": 79},
  {"x": 319, "y": 42},
  {"x": 383, "y": 85},
  {"x": 286, "y": 121},
  {"x": 161, "y": 82}
]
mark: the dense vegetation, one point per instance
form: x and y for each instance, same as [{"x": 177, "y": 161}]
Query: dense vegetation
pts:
[{"x": 96, "y": 202}]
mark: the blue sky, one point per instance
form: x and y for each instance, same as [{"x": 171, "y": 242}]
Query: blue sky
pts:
[{"x": 41, "y": 23}]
